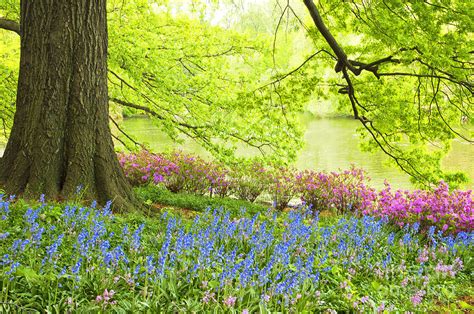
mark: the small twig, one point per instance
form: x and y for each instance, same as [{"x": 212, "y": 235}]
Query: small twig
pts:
[{"x": 126, "y": 135}]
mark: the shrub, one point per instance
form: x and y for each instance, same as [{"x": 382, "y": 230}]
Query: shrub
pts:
[
  {"x": 177, "y": 171},
  {"x": 250, "y": 180},
  {"x": 449, "y": 211},
  {"x": 191, "y": 175},
  {"x": 145, "y": 167},
  {"x": 345, "y": 191},
  {"x": 220, "y": 181},
  {"x": 283, "y": 187}
]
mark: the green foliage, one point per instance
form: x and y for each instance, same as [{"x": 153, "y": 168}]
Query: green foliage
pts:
[
  {"x": 202, "y": 81},
  {"x": 9, "y": 52},
  {"x": 10, "y": 9},
  {"x": 421, "y": 98},
  {"x": 153, "y": 194},
  {"x": 239, "y": 83},
  {"x": 249, "y": 180},
  {"x": 9, "y": 56}
]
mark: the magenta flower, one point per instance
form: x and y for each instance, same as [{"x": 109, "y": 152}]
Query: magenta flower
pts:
[{"x": 417, "y": 297}]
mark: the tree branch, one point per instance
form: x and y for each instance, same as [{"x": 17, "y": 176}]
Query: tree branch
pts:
[
  {"x": 318, "y": 21},
  {"x": 434, "y": 74},
  {"x": 151, "y": 112},
  {"x": 126, "y": 135},
  {"x": 281, "y": 78},
  {"x": 9, "y": 25},
  {"x": 355, "y": 67}
]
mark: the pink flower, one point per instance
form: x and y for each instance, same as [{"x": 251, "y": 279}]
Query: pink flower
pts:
[
  {"x": 208, "y": 296},
  {"x": 230, "y": 301},
  {"x": 404, "y": 282},
  {"x": 381, "y": 308},
  {"x": 108, "y": 294},
  {"x": 245, "y": 311},
  {"x": 416, "y": 299}
]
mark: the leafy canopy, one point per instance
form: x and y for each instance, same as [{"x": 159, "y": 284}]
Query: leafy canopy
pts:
[
  {"x": 407, "y": 75},
  {"x": 404, "y": 69}
]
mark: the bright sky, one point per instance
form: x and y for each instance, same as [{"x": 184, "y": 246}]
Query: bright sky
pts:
[{"x": 222, "y": 14}]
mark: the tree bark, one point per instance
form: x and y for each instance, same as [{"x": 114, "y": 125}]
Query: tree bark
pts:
[{"x": 61, "y": 138}]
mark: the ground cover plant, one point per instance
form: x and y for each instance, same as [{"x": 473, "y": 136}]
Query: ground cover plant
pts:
[
  {"x": 84, "y": 258},
  {"x": 154, "y": 196}
]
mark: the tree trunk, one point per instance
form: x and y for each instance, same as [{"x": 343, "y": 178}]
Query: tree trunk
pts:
[{"x": 61, "y": 137}]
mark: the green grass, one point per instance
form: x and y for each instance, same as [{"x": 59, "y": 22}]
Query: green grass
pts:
[{"x": 155, "y": 195}]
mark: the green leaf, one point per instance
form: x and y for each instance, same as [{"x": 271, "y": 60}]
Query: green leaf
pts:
[
  {"x": 465, "y": 305},
  {"x": 375, "y": 285},
  {"x": 213, "y": 284},
  {"x": 30, "y": 274}
]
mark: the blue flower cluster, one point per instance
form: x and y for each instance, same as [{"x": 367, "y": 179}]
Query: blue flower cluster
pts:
[{"x": 278, "y": 255}]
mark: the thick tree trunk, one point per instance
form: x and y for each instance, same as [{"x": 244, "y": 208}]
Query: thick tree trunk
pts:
[{"x": 61, "y": 137}]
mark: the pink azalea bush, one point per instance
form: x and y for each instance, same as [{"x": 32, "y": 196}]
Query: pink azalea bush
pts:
[
  {"x": 449, "y": 211},
  {"x": 344, "y": 191},
  {"x": 177, "y": 171},
  {"x": 191, "y": 175},
  {"x": 145, "y": 167},
  {"x": 199, "y": 176},
  {"x": 221, "y": 183},
  {"x": 284, "y": 186}
]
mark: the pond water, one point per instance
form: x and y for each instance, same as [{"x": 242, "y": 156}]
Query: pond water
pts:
[{"x": 330, "y": 144}]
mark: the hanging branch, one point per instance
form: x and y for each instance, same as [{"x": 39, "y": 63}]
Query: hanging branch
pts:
[
  {"x": 126, "y": 135},
  {"x": 355, "y": 67},
  {"x": 10, "y": 25}
]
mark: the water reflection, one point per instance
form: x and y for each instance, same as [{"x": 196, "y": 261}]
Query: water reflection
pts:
[{"x": 330, "y": 144}]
